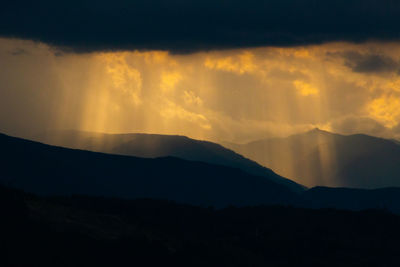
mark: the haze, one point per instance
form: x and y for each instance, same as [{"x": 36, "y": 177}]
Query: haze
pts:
[{"x": 233, "y": 95}]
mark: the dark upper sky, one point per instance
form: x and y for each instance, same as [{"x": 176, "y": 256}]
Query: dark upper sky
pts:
[{"x": 183, "y": 26}]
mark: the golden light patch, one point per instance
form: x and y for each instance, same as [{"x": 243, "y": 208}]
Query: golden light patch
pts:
[
  {"x": 173, "y": 111},
  {"x": 169, "y": 80},
  {"x": 385, "y": 109},
  {"x": 302, "y": 53},
  {"x": 240, "y": 64},
  {"x": 298, "y": 52},
  {"x": 394, "y": 85},
  {"x": 156, "y": 57},
  {"x": 124, "y": 78},
  {"x": 191, "y": 99},
  {"x": 305, "y": 89}
]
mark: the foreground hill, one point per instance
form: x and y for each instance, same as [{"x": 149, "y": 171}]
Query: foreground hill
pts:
[
  {"x": 89, "y": 231},
  {"x": 50, "y": 170},
  {"x": 320, "y": 158},
  {"x": 154, "y": 146},
  {"x": 387, "y": 199}
]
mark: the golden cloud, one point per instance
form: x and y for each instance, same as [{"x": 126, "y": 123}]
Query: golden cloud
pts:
[
  {"x": 385, "y": 109},
  {"x": 240, "y": 64},
  {"x": 173, "y": 111},
  {"x": 124, "y": 78},
  {"x": 169, "y": 80},
  {"x": 305, "y": 89},
  {"x": 235, "y": 95}
]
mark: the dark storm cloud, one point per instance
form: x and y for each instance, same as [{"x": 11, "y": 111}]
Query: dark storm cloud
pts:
[
  {"x": 370, "y": 63},
  {"x": 186, "y": 26}
]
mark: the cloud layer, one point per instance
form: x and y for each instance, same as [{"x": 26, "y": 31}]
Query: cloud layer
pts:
[
  {"x": 183, "y": 26},
  {"x": 233, "y": 95}
]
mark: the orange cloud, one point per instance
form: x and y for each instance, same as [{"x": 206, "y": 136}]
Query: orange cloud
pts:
[
  {"x": 240, "y": 64},
  {"x": 169, "y": 80},
  {"x": 305, "y": 89},
  {"x": 191, "y": 99},
  {"x": 385, "y": 109},
  {"x": 124, "y": 78},
  {"x": 209, "y": 94},
  {"x": 173, "y": 111}
]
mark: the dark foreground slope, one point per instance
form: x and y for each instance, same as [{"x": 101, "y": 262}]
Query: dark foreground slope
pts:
[
  {"x": 88, "y": 231},
  {"x": 320, "y": 158},
  {"x": 50, "y": 170},
  {"x": 156, "y": 145},
  {"x": 387, "y": 199}
]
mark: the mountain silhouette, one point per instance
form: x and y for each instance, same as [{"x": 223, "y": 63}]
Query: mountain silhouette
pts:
[
  {"x": 155, "y": 145},
  {"x": 50, "y": 170},
  {"x": 321, "y": 158},
  {"x": 55, "y": 171}
]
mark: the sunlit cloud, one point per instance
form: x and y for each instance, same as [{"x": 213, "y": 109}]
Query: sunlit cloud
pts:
[
  {"x": 232, "y": 95},
  {"x": 305, "y": 89},
  {"x": 190, "y": 98},
  {"x": 386, "y": 109},
  {"x": 169, "y": 80},
  {"x": 124, "y": 78},
  {"x": 239, "y": 64},
  {"x": 173, "y": 111}
]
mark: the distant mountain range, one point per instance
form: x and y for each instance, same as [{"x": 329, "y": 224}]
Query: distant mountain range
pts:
[
  {"x": 155, "y": 146},
  {"x": 50, "y": 170},
  {"x": 56, "y": 171},
  {"x": 320, "y": 158}
]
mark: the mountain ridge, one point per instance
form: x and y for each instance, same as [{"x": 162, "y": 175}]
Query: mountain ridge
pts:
[
  {"x": 50, "y": 170},
  {"x": 321, "y": 158},
  {"x": 55, "y": 171},
  {"x": 157, "y": 145}
]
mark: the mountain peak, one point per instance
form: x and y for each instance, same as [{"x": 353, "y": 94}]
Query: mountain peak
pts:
[{"x": 317, "y": 130}]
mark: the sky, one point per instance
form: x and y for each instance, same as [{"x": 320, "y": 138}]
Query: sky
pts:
[{"x": 218, "y": 70}]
